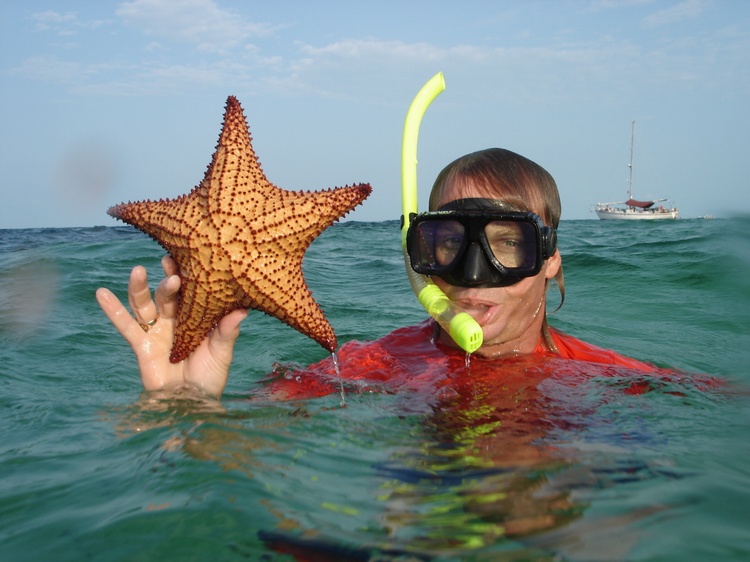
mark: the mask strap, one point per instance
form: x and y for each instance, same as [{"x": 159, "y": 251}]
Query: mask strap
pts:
[{"x": 549, "y": 241}]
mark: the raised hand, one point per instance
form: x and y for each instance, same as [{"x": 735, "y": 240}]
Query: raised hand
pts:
[{"x": 150, "y": 329}]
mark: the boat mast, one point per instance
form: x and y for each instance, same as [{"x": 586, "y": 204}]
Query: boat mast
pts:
[{"x": 630, "y": 166}]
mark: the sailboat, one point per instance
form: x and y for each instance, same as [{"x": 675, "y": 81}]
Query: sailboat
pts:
[{"x": 632, "y": 209}]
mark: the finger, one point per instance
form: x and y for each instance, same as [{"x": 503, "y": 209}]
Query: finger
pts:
[
  {"x": 169, "y": 265},
  {"x": 139, "y": 296},
  {"x": 167, "y": 293},
  {"x": 119, "y": 316},
  {"x": 167, "y": 296}
]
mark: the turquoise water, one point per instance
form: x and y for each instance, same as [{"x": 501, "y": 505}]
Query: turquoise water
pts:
[{"x": 94, "y": 469}]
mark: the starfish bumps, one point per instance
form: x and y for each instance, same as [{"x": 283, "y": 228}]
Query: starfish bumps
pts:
[{"x": 239, "y": 241}]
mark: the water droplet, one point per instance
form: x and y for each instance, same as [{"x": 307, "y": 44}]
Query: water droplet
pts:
[{"x": 338, "y": 373}]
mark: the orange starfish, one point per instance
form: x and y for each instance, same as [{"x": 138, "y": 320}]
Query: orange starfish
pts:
[{"x": 239, "y": 241}]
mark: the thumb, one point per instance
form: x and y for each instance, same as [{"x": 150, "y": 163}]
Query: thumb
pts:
[{"x": 228, "y": 330}]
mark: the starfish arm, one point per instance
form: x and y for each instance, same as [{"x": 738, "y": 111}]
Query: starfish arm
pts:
[
  {"x": 170, "y": 222},
  {"x": 267, "y": 253},
  {"x": 278, "y": 288},
  {"x": 235, "y": 175}
]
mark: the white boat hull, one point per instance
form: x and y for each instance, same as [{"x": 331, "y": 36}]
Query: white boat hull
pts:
[{"x": 636, "y": 214}]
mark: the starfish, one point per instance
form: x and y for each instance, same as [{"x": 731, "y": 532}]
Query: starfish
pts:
[{"x": 239, "y": 241}]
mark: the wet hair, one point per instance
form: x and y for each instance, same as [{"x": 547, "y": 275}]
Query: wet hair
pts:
[{"x": 521, "y": 184}]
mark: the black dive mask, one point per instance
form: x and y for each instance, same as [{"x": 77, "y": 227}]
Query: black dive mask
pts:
[{"x": 475, "y": 243}]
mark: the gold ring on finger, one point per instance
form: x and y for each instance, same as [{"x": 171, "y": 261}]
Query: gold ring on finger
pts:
[{"x": 147, "y": 326}]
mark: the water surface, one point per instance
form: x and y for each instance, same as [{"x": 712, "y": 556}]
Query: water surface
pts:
[{"x": 559, "y": 462}]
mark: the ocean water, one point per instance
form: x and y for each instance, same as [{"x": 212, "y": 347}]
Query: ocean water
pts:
[{"x": 92, "y": 468}]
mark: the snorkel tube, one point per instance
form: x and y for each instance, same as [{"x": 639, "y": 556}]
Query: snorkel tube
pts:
[{"x": 464, "y": 330}]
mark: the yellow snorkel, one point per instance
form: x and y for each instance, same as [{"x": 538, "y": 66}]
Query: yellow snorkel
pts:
[{"x": 464, "y": 330}]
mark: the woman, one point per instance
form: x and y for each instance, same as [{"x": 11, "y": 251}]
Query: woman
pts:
[{"x": 493, "y": 206}]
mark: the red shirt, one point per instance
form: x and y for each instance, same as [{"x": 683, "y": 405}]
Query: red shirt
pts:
[{"x": 409, "y": 359}]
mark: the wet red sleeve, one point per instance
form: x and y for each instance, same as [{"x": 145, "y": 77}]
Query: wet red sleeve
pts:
[{"x": 573, "y": 348}]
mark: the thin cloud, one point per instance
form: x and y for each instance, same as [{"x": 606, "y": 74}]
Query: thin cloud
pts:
[
  {"x": 309, "y": 69},
  {"x": 64, "y": 24},
  {"x": 51, "y": 69},
  {"x": 575, "y": 55},
  {"x": 597, "y": 5},
  {"x": 363, "y": 48},
  {"x": 689, "y": 9},
  {"x": 198, "y": 22}
]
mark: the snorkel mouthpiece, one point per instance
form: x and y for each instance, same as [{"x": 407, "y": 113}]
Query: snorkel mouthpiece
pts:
[
  {"x": 464, "y": 330},
  {"x": 460, "y": 325}
]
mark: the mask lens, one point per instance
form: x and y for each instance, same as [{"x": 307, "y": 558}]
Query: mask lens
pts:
[
  {"x": 449, "y": 239},
  {"x": 437, "y": 244},
  {"x": 512, "y": 243}
]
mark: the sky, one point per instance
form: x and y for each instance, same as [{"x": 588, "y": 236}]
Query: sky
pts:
[{"x": 104, "y": 102}]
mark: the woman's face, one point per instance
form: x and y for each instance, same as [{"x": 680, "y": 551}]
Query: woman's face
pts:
[{"x": 511, "y": 317}]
